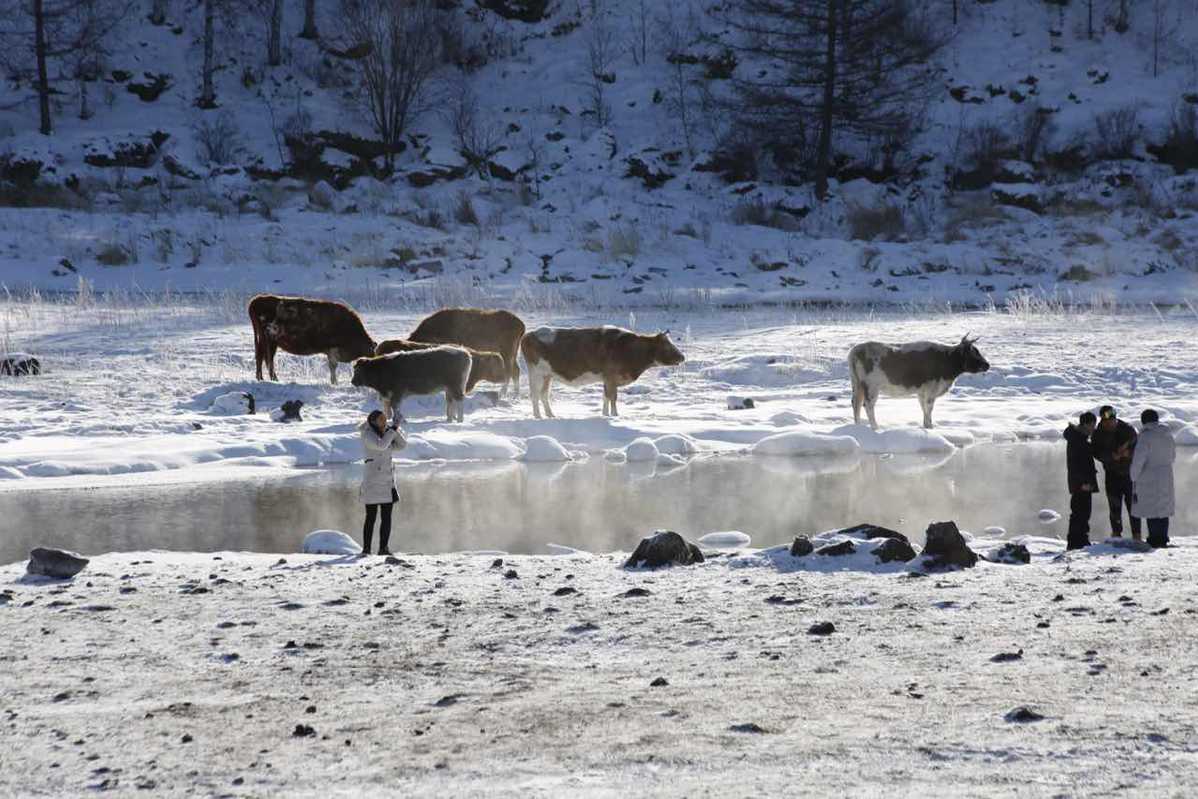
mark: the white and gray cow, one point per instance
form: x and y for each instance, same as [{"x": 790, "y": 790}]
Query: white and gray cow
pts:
[{"x": 922, "y": 368}]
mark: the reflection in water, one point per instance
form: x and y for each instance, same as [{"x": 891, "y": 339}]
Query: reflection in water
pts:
[{"x": 595, "y": 506}]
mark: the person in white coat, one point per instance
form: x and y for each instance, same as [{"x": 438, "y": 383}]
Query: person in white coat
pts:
[
  {"x": 1152, "y": 478},
  {"x": 378, "y": 491}
]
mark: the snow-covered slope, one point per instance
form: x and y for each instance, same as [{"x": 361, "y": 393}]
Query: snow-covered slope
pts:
[{"x": 619, "y": 213}]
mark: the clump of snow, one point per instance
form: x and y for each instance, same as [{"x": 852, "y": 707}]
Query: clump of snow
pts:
[
  {"x": 330, "y": 542},
  {"x": 1187, "y": 436},
  {"x": 997, "y": 532},
  {"x": 897, "y": 441},
  {"x": 728, "y": 539},
  {"x": 641, "y": 450},
  {"x": 1048, "y": 516},
  {"x": 464, "y": 446},
  {"x": 544, "y": 449},
  {"x": 788, "y": 419},
  {"x": 561, "y": 550},
  {"x": 798, "y": 442},
  {"x": 676, "y": 444},
  {"x": 234, "y": 403}
]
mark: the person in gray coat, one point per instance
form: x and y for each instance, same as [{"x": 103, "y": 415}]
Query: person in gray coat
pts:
[
  {"x": 1152, "y": 478},
  {"x": 378, "y": 491}
]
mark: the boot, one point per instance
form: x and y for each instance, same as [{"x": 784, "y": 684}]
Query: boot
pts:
[{"x": 383, "y": 544}]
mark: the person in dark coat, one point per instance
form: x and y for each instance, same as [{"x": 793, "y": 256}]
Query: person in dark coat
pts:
[
  {"x": 1083, "y": 479},
  {"x": 1113, "y": 443}
]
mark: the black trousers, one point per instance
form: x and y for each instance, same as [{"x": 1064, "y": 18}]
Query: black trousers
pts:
[
  {"x": 383, "y": 510},
  {"x": 1118, "y": 494},
  {"x": 1081, "y": 504},
  {"x": 1158, "y": 532}
]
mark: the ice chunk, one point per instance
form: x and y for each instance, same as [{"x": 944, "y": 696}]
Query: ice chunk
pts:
[
  {"x": 641, "y": 450},
  {"x": 676, "y": 444},
  {"x": 330, "y": 542},
  {"x": 728, "y": 539},
  {"x": 804, "y": 443},
  {"x": 900, "y": 440},
  {"x": 544, "y": 449},
  {"x": 1048, "y": 516}
]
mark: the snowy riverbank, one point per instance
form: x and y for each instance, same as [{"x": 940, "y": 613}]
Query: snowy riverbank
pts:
[
  {"x": 183, "y": 673},
  {"x": 128, "y": 389}
]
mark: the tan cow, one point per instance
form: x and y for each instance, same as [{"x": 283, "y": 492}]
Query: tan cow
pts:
[
  {"x": 609, "y": 355},
  {"x": 483, "y": 331},
  {"x": 488, "y": 366}
]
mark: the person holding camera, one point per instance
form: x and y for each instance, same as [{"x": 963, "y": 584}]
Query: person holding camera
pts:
[{"x": 380, "y": 439}]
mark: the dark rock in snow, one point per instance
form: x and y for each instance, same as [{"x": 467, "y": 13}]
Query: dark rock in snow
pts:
[
  {"x": 18, "y": 364},
  {"x": 1023, "y": 715},
  {"x": 664, "y": 547},
  {"x": 868, "y": 531},
  {"x": 749, "y": 727},
  {"x": 303, "y": 731},
  {"x": 565, "y": 591},
  {"x": 55, "y": 562},
  {"x": 841, "y": 548},
  {"x": 1007, "y": 657},
  {"x": 1013, "y": 554},
  {"x": 801, "y": 547},
  {"x": 289, "y": 411},
  {"x": 511, "y": 574},
  {"x": 894, "y": 549},
  {"x": 946, "y": 548},
  {"x": 497, "y": 563},
  {"x": 822, "y": 628},
  {"x": 635, "y": 592},
  {"x": 660, "y": 682}
]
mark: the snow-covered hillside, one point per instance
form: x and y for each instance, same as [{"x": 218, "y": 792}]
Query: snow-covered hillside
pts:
[{"x": 641, "y": 209}]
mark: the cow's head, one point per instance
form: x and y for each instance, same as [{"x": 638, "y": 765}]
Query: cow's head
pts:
[
  {"x": 971, "y": 360},
  {"x": 489, "y": 366},
  {"x": 664, "y": 351},
  {"x": 361, "y": 372}
]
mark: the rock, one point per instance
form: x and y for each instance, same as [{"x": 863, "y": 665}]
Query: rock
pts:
[
  {"x": 749, "y": 727},
  {"x": 821, "y": 628},
  {"x": 893, "y": 549},
  {"x": 946, "y": 548},
  {"x": 57, "y": 563},
  {"x": 868, "y": 531},
  {"x": 1011, "y": 553},
  {"x": 635, "y": 592},
  {"x": 529, "y": 11},
  {"x": 303, "y": 731},
  {"x": 1130, "y": 544},
  {"x": 152, "y": 89},
  {"x": 1007, "y": 657},
  {"x": 660, "y": 682},
  {"x": 322, "y": 195},
  {"x": 18, "y": 364},
  {"x": 565, "y": 590},
  {"x": 1048, "y": 515},
  {"x": 741, "y": 403},
  {"x": 1023, "y": 715},
  {"x": 1019, "y": 195},
  {"x": 837, "y": 549},
  {"x": 664, "y": 547},
  {"x": 511, "y": 574},
  {"x": 288, "y": 412},
  {"x": 233, "y": 403},
  {"x": 649, "y": 170},
  {"x": 801, "y": 547}
]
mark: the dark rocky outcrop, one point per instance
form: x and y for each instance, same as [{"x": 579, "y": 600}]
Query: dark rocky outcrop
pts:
[
  {"x": 840, "y": 548},
  {"x": 136, "y": 154},
  {"x": 946, "y": 548},
  {"x": 57, "y": 563},
  {"x": 1011, "y": 553},
  {"x": 530, "y": 11},
  {"x": 664, "y": 547},
  {"x": 802, "y": 546},
  {"x": 867, "y": 531},
  {"x": 893, "y": 549},
  {"x": 152, "y": 89}
]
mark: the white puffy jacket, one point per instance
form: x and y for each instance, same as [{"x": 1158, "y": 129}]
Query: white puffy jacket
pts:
[
  {"x": 378, "y": 477},
  {"x": 1152, "y": 473}
]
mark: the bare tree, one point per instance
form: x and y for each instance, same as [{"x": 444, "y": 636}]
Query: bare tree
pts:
[
  {"x": 66, "y": 34},
  {"x": 680, "y": 96},
  {"x": 274, "y": 45},
  {"x": 601, "y": 54},
  {"x": 1160, "y": 32},
  {"x": 207, "y": 98},
  {"x": 850, "y": 69},
  {"x": 401, "y": 43},
  {"x": 309, "y": 30},
  {"x": 478, "y": 137},
  {"x": 640, "y": 32},
  {"x": 1090, "y": 19}
]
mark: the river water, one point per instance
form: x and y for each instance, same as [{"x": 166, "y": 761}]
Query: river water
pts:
[{"x": 595, "y": 505}]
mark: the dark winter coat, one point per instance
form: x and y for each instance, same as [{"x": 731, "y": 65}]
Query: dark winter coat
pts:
[
  {"x": 1080, "y": 461},
  {"x": 1114, "y": 448}
]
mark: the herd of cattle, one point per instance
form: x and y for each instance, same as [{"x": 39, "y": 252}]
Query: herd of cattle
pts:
[{"x": 456, "y": 348}]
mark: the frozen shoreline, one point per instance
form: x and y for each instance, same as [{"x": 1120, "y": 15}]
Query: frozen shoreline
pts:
[{"x": 440, "y": 676}]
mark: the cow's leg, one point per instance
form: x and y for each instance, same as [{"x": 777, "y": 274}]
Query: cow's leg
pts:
[
  {"x": 259, "y": 351},
  {"x": 272, "y": 349},
  {"x": 858, "y": 399},
  {"x": 514, "y": 377},
  {"x": 871, "y": 399},
  {"x": 545, "y": 381},
  {"x": 534, "y": 394},
  {"x": 332, "y": 368},
  {"x": 609, "y": 399},
  {"x": 927, "y": 402}
]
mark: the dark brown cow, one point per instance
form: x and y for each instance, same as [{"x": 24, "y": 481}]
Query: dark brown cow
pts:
[
  {"x": 306, "y": 327},
  {"x": 424, "y": 371},
  {"x": 485, "y": 331},
  {"x": 579, "y": 355},
  {"x": 487, "y": 366}
]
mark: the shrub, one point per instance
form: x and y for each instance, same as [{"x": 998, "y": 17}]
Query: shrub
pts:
[
  {"x": 881, "y": 223},
  {"x": 984, "y": 145},
  {"x": 1180, "y": 149},
  {"x": 757, "y": 212},
  {"x": 1116, "y": 133},
  {"x": 113, "y": 253},
  {"x": 624, "y": 242},
  {"x": 1035, "y": 128},
  {"x": 218, "y": 141},
  {"x": 463, "y": 210}
]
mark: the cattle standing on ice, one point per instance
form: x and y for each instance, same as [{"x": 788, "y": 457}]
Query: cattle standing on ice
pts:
[
  {"x": 576, "y": 356},
  {"x": 306, "y": 327},
  {"x": 489, "y": 366},
  {"x": 484, "y": 331},
  {"x": 923, "y": 369},
  {"x": 427, "y": 371}
]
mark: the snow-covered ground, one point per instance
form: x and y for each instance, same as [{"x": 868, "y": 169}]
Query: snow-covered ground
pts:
[
  {"x": 244, "y": 674},
  {"x": 130, "y": 389}
]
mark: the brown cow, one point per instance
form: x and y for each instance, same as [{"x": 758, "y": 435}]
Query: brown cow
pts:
[
  {"x": 576, "y": 356},
  {"x": 485, "y": 331},
  {"x": 306, "y": 327},
  {"x": 426, "y": 371},
  {"x": 487, "y": 366}
]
